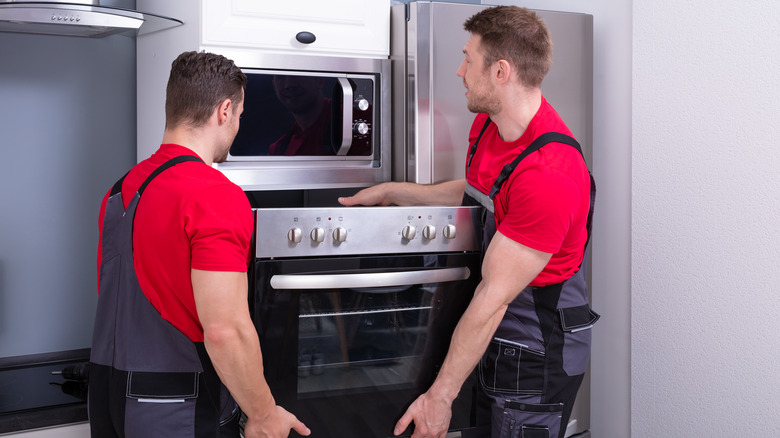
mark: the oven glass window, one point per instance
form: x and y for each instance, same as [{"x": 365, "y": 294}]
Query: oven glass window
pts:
[
  {"x": 305, "y": 115},
  {"x": 351, "y": 340}
]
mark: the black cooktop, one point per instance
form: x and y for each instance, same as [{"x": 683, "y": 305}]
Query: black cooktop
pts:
[
  {"x": 32, "y": 397},
  {"x": 35, "y": 387}
]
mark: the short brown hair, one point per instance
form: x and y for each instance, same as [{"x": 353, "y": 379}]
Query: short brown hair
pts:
[
  {"x": 517, "y": 35},
  {"x": 198, "y": 82}
]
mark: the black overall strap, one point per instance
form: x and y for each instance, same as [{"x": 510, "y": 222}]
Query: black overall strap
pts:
[
  {"x": 549, "y": 137},
  {"x": 172, "y": 162},
  {"x": 168, "y": 164},
  {"x": 473, "y": 149}
]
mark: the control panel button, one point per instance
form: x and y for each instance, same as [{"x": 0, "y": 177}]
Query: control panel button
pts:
[
  {"x": 318, "y": 235},
  {"x": 449, "y": 231},
  {"x": 295, "y": 235},
  {"x": 408, "y": 232},
  {"x": 429, "y": 232},
  {"x": 362, "y": 104},
  {"x": 340, "y": 234},
  {"x": 361, "y": 128}
]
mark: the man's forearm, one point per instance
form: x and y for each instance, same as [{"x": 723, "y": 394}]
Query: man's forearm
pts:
[
  {"x": 469, "y": 341},
  {"x": 236, "y": 356}
]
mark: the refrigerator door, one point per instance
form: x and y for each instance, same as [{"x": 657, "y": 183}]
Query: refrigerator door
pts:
[{"x": 430, "y": 119}]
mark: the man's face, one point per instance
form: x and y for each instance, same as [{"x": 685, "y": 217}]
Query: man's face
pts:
[
  {"x": 233, "y": 125},
  {"x": 481, "y": 96},
  {"x": 299, "y": 94}
]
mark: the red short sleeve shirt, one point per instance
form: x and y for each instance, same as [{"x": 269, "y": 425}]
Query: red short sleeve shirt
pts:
[
  {"x": 544, "y": 203},
  {"x": 189, "y": 217}
]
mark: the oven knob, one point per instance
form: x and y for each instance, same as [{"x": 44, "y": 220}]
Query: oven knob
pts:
[
  {"x": 429, "y": 232},
  {"x": 362, "y": 104},
  {"x": 340, "y": 234},
  {"x": 295, "y": 235},
  {"x": 318, "y": 235},
  {"x": 361, "y": 128},
  {"x": 449, "y": 231},
  {"x": 408, "y": 232}
]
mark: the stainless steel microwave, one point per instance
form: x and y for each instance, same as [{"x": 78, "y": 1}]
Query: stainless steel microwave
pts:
[{"x": 311, "y": 122}]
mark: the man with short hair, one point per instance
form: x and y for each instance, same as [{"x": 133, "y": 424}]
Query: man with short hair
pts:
[
  {"x": 527, "y": 326},
  {"x": 174, "y": 351}
]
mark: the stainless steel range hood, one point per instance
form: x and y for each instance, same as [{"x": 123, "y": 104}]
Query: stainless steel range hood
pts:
[{"x": 84, "y": 18}]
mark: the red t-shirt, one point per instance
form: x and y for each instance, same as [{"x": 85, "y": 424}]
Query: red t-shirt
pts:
[
  {"x": 189, "y": 216},
  {"x": 544, "y": 203}
]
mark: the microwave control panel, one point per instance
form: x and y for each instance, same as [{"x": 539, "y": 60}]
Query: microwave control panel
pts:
[{"x": 307, "y": 232}]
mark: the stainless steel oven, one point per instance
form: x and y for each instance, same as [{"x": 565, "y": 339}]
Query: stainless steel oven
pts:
[
  {"x": 311, "y": 122},
  {"x": 355, "y": 308}
]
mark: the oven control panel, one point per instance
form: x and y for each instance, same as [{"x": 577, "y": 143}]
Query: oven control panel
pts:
[{"x": 299, "y": 232}]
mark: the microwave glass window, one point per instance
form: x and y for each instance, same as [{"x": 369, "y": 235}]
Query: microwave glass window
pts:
[{"x": 304, "y": 116}]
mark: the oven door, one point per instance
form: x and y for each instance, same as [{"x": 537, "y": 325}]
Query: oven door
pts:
[{"x": 348, "y": 343}]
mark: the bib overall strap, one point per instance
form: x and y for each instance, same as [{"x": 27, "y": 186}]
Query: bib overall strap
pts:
[
  {"x": 549, "y": 137},
  {"x": 168, "y": 164},
  {"x": 473, "y": 149}
]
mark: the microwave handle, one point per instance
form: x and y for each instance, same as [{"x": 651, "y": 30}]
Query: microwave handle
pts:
[
  {"x": 378, "y": 279},
  {"x": 346, "y": 124}
]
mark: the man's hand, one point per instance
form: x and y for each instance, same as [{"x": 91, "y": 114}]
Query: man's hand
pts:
[
  {"x": 376, "y": 195},
  {"x": 276, "y": 424},
  {"x": 431, "y": 416}
]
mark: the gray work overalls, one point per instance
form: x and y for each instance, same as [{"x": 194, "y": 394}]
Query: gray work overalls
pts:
[
  {"x": 534, "y": 365},
  {"x": 147, "y": 379}
]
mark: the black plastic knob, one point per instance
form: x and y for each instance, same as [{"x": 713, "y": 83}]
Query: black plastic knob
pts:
[{"x": 305, "y": 37}]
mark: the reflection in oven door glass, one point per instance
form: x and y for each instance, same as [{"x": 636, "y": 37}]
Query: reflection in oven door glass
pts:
[{"x": 358, "y": 339}]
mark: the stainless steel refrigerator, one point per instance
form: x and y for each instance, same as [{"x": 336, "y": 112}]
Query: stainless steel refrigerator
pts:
[{"x": 430, "y": 119}]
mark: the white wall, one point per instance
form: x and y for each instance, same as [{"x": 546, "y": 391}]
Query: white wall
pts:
[{"x": 706, "y": 211}]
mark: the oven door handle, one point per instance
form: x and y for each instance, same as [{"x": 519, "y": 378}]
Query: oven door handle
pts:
[
  {"x": 346, "y": 123},
  {"x": 379, "y": 279}
]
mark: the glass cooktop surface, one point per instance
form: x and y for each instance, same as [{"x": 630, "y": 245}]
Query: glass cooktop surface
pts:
[{"x": 32, "y": 387}]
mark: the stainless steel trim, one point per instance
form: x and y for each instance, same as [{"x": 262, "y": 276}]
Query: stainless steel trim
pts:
[
  {"x": 346, "y": 125},
  {"x": 380, "y": 279},
  {"x": 77, "y": 18}
]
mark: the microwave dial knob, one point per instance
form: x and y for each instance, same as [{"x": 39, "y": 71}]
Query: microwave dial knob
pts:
[
  {"x": 429, "y": 232},
  {"x": 449, "y": 231},
  {"x": 409, "y": 232},
  {"x": 295, "y": 235},
  {"x": 362, "y": 104},
  {"x": 361, "y": 128},
  {"x": 318, "y": 235},
  {"x": 340, "y": 234}
]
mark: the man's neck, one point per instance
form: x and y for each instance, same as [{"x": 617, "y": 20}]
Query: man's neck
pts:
[
  {"x": 516, "y": 113},
  {"x": 190, "y": 139}
]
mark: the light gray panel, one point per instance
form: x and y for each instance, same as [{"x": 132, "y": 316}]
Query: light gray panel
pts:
[{"x": 67, "y": 118}]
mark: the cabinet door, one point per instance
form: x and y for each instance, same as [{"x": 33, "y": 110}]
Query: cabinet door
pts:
[{"x": 340, "y": 27}]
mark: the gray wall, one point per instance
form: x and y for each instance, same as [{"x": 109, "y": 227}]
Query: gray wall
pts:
[{"x": 67, "y": 131}]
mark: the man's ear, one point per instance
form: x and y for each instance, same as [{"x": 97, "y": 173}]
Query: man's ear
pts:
[
  {"x": 224, "y": 111},
  {"x": 503, "y": 71}
]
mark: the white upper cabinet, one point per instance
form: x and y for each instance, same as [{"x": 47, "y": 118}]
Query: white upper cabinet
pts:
[{"x": 323, "y": 27}]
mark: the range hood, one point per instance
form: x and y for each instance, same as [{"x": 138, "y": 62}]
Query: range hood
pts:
[{"x": 84, "y": 18}]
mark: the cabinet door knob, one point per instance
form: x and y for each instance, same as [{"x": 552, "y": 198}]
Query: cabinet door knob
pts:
[{"x": 305, "y": 37}]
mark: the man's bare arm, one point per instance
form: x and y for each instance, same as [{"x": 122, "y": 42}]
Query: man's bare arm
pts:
[{"x": 231, "y": 341}]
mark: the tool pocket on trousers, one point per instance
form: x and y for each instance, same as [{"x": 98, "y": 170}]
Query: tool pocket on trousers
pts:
[
  {"x": 528, "y": 420},
  {"x": 576, "y": 323},
  {"x": 161, "y": 404},
  {"x": 511, "y": 368}
]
